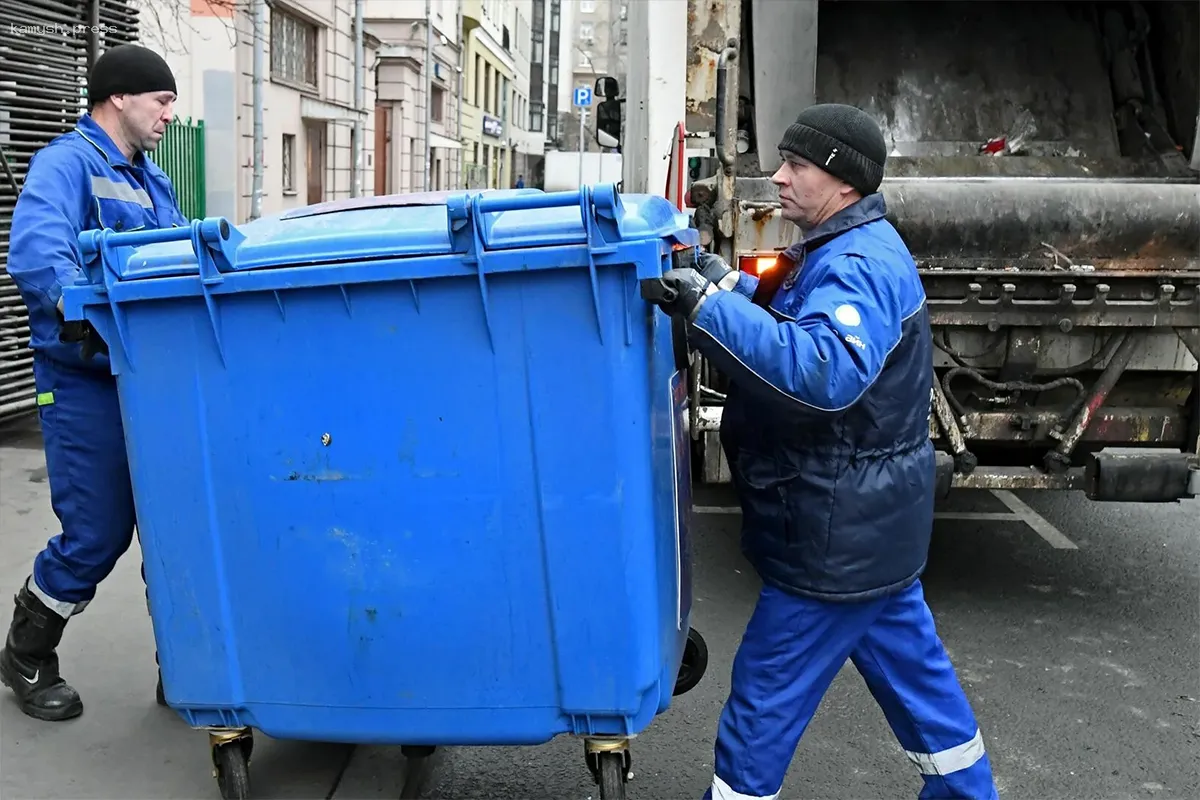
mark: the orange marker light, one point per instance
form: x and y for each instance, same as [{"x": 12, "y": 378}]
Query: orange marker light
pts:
[{"x": 756, "y": 265}]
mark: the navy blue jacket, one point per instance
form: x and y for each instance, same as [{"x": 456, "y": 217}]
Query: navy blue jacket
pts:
[
  {"x": 826, "y": 425},
  {"x": 79, "y": 181}
]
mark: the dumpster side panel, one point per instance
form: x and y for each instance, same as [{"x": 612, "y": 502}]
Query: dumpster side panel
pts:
[{"x": 372, "y": 513}]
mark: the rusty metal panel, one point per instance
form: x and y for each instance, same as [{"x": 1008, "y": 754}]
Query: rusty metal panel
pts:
[
  {"x": 711, "y": 23},
  {"x": 1162, "y": 427}
]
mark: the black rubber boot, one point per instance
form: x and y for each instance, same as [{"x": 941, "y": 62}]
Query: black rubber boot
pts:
[
  {"x": 29, "y": 663},
  {"x": 158, "y": 692},
  {"x": 159, "y": 697}
]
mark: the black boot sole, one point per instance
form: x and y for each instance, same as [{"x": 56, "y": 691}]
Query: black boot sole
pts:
[{"x": 44, "y": 714}]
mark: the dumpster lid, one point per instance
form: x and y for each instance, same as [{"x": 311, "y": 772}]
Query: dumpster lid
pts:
[{"x": 411, "y": 225}]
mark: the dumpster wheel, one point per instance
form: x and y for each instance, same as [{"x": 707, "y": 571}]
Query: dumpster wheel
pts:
[
  {"x": 694, "y": 664},
  {"x": 231, "y": 763},
  {"x": 609, "y": 762},
  {"x": 612, "y": 776}
]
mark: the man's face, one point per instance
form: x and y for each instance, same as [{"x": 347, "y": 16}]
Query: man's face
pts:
[
  {"x": 144, "y": 117},
  {"x": 808, "y": 194}
]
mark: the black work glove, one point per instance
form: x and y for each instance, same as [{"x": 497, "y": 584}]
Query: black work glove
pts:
[
  {"x": 679, "y": 292},
  {"x": 83, "y": 333},
  {"x": 716, "y": 270}
]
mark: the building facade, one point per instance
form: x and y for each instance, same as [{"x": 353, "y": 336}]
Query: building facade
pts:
[
  {"x": 490, "y": 71},
  {"x": 528, "y": 145},
  {"x": 310, "y": 114},
  {"x": 418, "y": 67}
]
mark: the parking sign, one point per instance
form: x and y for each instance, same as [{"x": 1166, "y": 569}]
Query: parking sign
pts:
[{"x": 583, "y": 96}]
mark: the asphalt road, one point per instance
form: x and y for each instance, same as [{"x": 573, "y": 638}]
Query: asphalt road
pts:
[{"x": 1083, "y": 665}]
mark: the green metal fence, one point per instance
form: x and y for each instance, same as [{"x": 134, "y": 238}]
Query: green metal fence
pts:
[{"x": 180, "y": 154}]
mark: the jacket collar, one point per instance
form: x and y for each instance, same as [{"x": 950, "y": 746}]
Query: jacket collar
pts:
[
  {"x": 868, "y": 209},
  {"x": 90, "y": 130}
]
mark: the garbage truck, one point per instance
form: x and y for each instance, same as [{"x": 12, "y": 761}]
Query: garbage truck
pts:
[{"x": 1044, "y": 170}]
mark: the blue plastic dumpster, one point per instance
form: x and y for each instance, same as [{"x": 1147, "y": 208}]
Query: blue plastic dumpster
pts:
[{"x": 408, "y": 470}]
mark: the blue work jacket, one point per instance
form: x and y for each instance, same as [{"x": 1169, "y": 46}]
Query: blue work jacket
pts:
[
  {"x": 826, "y": 424},
  {"x": 79, "y": 181}
]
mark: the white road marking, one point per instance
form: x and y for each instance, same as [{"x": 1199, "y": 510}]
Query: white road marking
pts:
[
  {"x": 1018, "y": 512},
  {"x": 1051, "y": 534}
]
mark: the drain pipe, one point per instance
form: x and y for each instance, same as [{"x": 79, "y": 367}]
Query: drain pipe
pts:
[
  {"x": 356, "y": 179},
  {"x": 462, "y": 65},
  {"x": 428, "y": 86},
  {"x": 256, "y": 191}
]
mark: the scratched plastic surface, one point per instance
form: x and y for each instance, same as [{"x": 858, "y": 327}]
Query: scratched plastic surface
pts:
[{"x": 407, "y": 473}]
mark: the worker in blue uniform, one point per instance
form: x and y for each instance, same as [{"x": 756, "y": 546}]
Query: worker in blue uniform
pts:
[
  {"x": 96, "y": 176},
  {"x": 826, "y": 432}
]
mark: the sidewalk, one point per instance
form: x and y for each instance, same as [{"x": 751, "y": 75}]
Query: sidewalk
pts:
[{"x": 125, "y": 746}]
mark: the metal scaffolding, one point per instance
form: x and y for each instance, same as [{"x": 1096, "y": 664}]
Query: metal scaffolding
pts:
[{"x": 46, "y": 49}]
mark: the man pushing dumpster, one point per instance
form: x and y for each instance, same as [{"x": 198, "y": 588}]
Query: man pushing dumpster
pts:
[
  {"x": 826, "y": 431},
  {"x": 96, "y": 176}
]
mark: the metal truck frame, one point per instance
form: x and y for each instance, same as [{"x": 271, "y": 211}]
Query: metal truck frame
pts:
[{"x": 1044, "y": 170}]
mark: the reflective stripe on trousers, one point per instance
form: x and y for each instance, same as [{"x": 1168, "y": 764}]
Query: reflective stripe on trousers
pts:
[{"x": 792, "y": 650}]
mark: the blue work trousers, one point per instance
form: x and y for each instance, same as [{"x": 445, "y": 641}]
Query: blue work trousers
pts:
[
  {"x": 90, "y": 488},
  {"x": 792, "y": 650}
]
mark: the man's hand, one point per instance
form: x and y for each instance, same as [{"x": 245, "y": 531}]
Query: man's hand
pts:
[
  {"x": 716, "y": 270},
  {"x": 83, "y": 333},
  {"x": 680, "y": 292}
]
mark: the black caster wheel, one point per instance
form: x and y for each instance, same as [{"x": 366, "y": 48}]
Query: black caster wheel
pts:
[
  {"x": 418, "y": 771},
  {"x": 231, "y": 762},
  {"x": 694, "y": 663},
  {"x": 611, "y": 776}
]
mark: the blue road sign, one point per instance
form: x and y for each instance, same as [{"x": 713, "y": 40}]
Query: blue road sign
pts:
[{"x": 583, "y": 95}]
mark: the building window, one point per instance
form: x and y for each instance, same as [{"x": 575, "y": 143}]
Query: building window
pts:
[
  {"x": 536, "y": 120},
  {"x": 583, "y": 59},
  {"x": 286, "y": 159},
  {"x": 587, "y": 6},
  {"x": 437, "y": 100},
  {"x": 587, "y": 32},
  {"x": 293, "y": 49}
]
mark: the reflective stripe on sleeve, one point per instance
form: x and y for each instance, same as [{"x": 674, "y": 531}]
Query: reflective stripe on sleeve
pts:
[{"x": 953, "y": 759}]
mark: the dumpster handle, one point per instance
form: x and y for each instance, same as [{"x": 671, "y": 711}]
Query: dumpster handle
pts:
[
  {"x": 214, "y": 244},
  {"x": 603, "y": 195},
  {"x": 599, "y": 205},
  {"x": 600, "y": 208},
  {"x": 214, "y": 229}
]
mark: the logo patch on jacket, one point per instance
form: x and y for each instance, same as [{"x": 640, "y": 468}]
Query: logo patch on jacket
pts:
[{"x": 847, "y": 315}]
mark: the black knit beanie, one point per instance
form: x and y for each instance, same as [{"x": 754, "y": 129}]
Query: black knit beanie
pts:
[
  {"x": 842, "y": 140},
  {"x": 128, "y": 69}
]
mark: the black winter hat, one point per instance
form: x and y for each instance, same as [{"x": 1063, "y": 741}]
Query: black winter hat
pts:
[
  {"x": 128, "y": 69},
  {"x": 842, "y": 140}
]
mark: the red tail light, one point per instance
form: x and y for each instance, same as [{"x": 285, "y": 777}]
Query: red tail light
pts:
[{"x": 756, "y": 265}]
